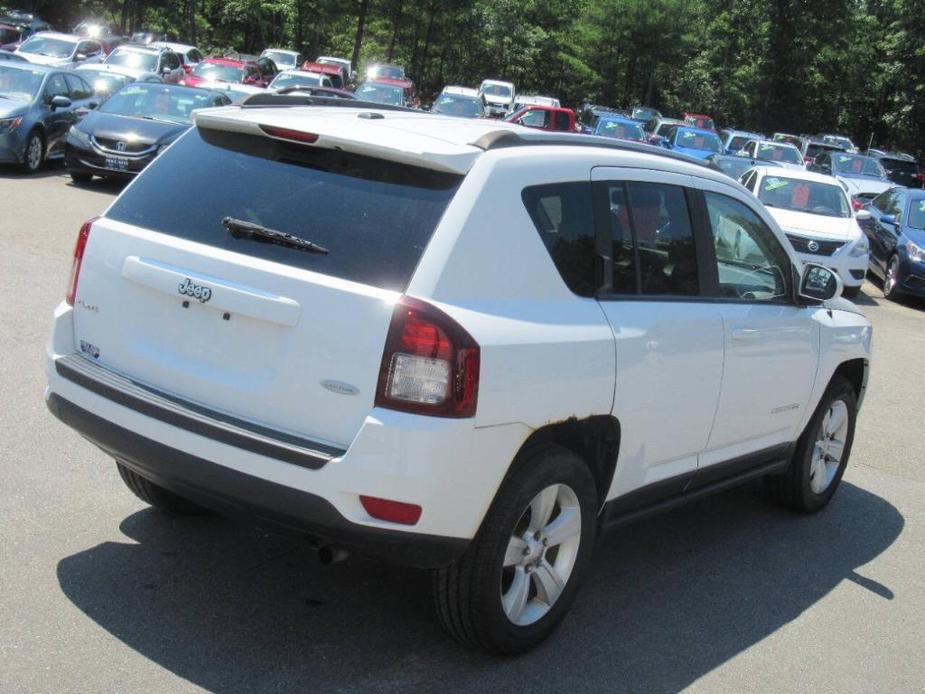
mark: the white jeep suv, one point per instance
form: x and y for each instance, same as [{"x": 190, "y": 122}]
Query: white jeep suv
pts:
[{"x": 459, "y": 345}]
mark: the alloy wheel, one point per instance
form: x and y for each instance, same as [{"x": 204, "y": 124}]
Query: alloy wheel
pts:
[
  {"x": 541, "y": 554},
  {"x": 829, "y": 447},
  {"x": 892, "y": 276},
  {"x": 34, "y": 153}
]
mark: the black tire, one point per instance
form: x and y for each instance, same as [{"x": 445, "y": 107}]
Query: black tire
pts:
[
  {"x": 157, "y": 496},
  {"x": 794, "y": 487},
  {"x": 467, "y": 594},
  {"x": 851, "y": 292},
  {"x": 80, "y": 177},
  {"x": 891, "y": 288},
  {"x": 29, "y": 165}
]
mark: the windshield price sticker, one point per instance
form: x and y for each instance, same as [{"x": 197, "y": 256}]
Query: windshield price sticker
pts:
[{"x": 774, "y": 184}]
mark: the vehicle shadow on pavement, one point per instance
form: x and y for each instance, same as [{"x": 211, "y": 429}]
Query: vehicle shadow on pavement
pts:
[{"x": 236, "y": 608}]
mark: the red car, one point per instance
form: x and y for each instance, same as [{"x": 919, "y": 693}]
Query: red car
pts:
[
  {"x": 337, "y": 73},
  {"x": 545, "y": 118},
  {"x": 699, "y": 120},
  {"x": 225, "y": 70}
]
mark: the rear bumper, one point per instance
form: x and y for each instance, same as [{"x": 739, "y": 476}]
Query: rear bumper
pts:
[
  {"x": 447, "y": 466},
  {"x": 233, "y": 493}
]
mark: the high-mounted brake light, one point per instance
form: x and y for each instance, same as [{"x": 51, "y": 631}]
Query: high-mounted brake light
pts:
[
  {"x": 430, "y": 364},
  {"x": 287, "y": 134},
  {"x": 82, "y": 236}
]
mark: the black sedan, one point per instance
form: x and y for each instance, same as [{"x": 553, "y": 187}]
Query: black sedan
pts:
[
  {"x": 896, "y": 231},
  {"x": 123, "y": 136}
]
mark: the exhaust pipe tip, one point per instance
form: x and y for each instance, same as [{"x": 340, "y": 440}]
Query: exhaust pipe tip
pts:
[{"x": 329, "y": 554}]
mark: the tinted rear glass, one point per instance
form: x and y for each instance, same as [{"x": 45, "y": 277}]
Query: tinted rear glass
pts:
[
  {"x": 374, "y": 217},
  {"x": 899, "y": 166}
]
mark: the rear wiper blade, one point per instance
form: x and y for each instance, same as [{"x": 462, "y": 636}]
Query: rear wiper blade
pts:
[{"x": 241, "y": 229}]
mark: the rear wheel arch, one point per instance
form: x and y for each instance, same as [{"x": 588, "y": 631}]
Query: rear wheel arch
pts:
[{"x": 594, "y": 439}]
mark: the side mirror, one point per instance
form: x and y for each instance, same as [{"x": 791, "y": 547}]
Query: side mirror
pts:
[
  {"x": 819, "y": 284},
  {"x": 80, "y": 57},
  {"x": 888, "y": 219},
  {"x": 862, "y": 215},
  {"x": 60, "y": 102}
]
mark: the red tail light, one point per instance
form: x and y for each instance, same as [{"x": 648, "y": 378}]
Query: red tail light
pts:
[
  {"x": 82, "y": 236},
  {"x": 430, "y": 364},
  {"x": 392, "y": 511},
  {"x": 857, "y": 203}
]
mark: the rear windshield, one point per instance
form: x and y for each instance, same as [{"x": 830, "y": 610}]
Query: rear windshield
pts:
[
  {"x": 899, "y": 166},
  {"x": 374, "y": 217}
]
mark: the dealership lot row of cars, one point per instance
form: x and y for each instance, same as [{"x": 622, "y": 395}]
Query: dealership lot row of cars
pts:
[{"x": 110, "y": 115}]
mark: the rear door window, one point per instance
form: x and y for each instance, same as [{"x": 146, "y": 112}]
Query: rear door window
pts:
[{"x": 375, "y": 217}]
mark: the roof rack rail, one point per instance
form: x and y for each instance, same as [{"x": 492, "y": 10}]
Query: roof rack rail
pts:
[
  {"x": 500, "y": 139},
  {"x": 275, "y": 99}
]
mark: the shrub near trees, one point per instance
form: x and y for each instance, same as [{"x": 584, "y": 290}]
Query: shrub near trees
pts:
[{"x": 851, "y": 66}]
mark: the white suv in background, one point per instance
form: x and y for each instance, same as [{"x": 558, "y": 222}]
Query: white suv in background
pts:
[
  {"x": 814, "y": 212},
  {"x": 458, "y": 345},
  {"x": 498, "y": 96}
]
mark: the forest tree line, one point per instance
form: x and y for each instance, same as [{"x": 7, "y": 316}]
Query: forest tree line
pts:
[{"x": 800, "y": 66}]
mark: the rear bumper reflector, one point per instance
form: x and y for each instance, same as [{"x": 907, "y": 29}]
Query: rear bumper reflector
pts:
[{"x": 197, "y": 419}]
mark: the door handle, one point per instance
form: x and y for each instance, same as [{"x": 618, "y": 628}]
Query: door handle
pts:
[{"x": 742, "y": 334}]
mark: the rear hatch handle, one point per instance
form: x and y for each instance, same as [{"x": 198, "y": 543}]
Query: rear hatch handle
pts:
[{"x": 211, "y": 292}]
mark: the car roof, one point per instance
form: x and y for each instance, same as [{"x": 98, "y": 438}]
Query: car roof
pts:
[
  {"x": 180, "y": 47},
  {"x": 32, "y": 67},
  {"x": 233, "y": 62},
  {"x": 392, "y": 81},
  {"x": 433, "y": 141},
  {"x": 762, "y": 141},
  {"x": 701, "y": 131},
  {"x": 301, "y": 72},
  {"x": 322, "y": 67},
  {"x": 798, "y": 174},
  {"x": 152, "y": 48},
  {"x": 61, "y": 35},
  {"x": 617, "y": 118},
  {"x": 279, "y": 50},
  {"x": 500, "y": 83}
]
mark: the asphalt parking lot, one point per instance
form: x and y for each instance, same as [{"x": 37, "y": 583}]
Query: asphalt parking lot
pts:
[{"x": 100, "y": 593}]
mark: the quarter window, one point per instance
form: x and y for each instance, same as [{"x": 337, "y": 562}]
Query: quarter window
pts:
[
  {"x": 750, "y": 262},
  {"x": 562, "y": 214}
]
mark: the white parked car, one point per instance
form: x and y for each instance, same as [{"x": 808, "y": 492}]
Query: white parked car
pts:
[
  {"x": 189, "y": 56},
  {"x": 337, "y": 337},
  {"x": 138, "y": 60},
  {"x": 460, "y": 91},
  {"x": 523, "y": 101},
  {"x": 498, "y": 96},
  {"x": 60, "y": 50},
  {"x": 299, "y": 78},
  {"x": 780, "y": 153},
  {"x": 284, "y": 59},
  {"x": 861, "y": 176},
  {"x": 815, "y": 214}
]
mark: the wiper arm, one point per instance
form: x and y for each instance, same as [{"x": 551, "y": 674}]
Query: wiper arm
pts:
[{"x": 238, "y": 228}]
